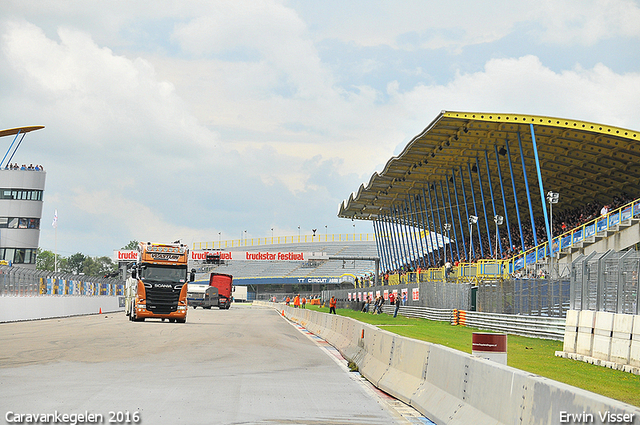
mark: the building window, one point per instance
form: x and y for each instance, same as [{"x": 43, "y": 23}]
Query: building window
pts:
[
  {"x": 19, "y": 223},
  {"x": 21, "y": 194},
  {"x": 18, "y": 255}
]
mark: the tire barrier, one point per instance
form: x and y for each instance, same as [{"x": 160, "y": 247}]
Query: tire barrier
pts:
[{"x": 452, "y": 387}]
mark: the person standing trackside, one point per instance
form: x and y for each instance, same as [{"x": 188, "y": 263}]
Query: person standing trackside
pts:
[
  {"x": 304, "y": 302},
  {"x": 296, "y": 301},
  {"x": 332, "y": 305},
  {"x": 395, "y": 313}
]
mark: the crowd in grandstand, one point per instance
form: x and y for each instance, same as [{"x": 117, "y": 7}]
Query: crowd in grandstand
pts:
[{"x": 563, "y": 221}]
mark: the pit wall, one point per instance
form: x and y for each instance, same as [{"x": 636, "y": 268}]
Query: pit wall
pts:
[
  {"x": 449, "y": 386},
  {"x": 13, "y": 309},
  {"x": 602, "y": 338}
]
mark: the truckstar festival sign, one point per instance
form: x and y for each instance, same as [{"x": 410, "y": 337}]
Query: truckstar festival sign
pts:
[
  {"x": 126, "y": 255},
  {"x": 201, "y": 255}
]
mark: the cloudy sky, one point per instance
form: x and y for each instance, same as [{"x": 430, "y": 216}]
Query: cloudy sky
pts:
[{"x": 174, "y": 120}]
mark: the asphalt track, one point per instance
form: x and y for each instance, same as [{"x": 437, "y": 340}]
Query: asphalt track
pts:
[{"x": 246, "y": 365}]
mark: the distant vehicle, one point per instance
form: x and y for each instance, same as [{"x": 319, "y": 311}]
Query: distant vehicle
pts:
[
  {"x": 224, "y": 284},
  {"x": 239, "y": 293},
  {"x": 159, "y": 283},
  {"x": 202, "y": 295}
]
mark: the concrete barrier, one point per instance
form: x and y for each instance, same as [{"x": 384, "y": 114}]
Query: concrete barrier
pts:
[
  {"x": 14, "y": 309},
  {"x": 621, "y": 338},
  {"x": 452, "y": 387},
  {"x": 571, "y": 331},
  {"x": 584, "y": 340},
  {"x": 634, "y": 354},
  {"x": 602, "y": 332}
]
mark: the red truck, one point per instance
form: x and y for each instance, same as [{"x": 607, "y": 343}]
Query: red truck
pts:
[{"x": 224, "y": 283}]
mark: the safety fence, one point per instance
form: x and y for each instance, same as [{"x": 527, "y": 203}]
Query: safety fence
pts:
[
  {"x": 19, "y": 281},
  {"x": 443, "y": 295},
  {"x": 532, "y": 297},
  {"x": 606, "y": 282}
]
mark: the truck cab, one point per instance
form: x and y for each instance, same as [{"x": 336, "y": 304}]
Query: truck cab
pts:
[{"x": 161, "y": 290}]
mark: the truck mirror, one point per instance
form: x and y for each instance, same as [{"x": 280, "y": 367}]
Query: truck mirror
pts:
[{"x": 192, "y": 275}]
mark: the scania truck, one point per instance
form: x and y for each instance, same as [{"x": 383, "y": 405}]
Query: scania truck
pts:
[{"x": 161, "y": 290}]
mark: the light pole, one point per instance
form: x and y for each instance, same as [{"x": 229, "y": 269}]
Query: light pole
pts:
[
  {"x": 472, "y": 220},
  {"x": 552, "y": 197},
  {"x": 245, "y": 238},
  {"x": 326, "y": 233},
  {"x": 272, "y": 235},
  {"x": 499, "y": 220},
  {"x": 219, "y": 240},
  {"x": 447, "y": 227},
  {"x": 298, "y": 233}
]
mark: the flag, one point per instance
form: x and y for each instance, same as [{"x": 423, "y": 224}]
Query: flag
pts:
[{"x": 55, "y": 219}]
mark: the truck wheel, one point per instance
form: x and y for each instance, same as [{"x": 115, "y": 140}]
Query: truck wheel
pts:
[
  {"x": 181, "y": 320},
  {"x": 170, "y": 320}
]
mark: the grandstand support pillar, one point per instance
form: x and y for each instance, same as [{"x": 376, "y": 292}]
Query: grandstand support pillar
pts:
[
  {"x": 515, "y": 195},
  {"x": 493, "y": 202},
  {"x": 453, "y": 220},
  {"x": 484, "y": 209},
  {"x": 475, "y": 211},
  {"x": 526, "y": 186},
  {"x": 466, "y": 210},
  {"x": 544, "y": 204},
  {"x": 504, "y": 200}
]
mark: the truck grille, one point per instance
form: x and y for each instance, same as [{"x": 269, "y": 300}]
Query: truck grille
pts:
[{"x": 162, "y": 300}]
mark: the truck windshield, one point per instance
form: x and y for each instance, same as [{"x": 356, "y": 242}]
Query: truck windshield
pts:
[{"x": 156, "y": 273}]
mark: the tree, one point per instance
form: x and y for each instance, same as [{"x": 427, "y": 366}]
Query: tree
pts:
[
  {"x": 131, "y": 245},
  {"x": 74, "y": 263},
  {"x": 45, "y": 260}
]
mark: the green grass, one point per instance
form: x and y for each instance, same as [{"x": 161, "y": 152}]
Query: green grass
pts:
[{"x": 529, "y": 354}]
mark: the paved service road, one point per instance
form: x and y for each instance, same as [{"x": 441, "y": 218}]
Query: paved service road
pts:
[{"x": 246, "y": 365}]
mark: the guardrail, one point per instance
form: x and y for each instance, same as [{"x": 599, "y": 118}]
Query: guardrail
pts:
[
  {"x": 530, "y": 326},
  {"x": 438, "y": 314}
]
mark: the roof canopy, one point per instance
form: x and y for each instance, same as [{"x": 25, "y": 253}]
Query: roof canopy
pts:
[
  {"x": 21, "y": 130},
  {"x": 580, "y": 160}
]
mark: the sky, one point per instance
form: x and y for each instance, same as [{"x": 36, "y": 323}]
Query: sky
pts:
[{"x": 206, "y": 120}]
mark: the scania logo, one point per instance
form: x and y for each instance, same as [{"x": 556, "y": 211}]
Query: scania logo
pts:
[{"x": 163, "y": 285}]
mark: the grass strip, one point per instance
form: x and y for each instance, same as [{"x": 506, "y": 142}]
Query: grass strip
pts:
[{"x": 532, "y": 355}]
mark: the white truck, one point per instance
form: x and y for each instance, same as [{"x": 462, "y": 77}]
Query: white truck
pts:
[
  {"x": 239, "y": 293},
  {"x": 202, "y": 295}
]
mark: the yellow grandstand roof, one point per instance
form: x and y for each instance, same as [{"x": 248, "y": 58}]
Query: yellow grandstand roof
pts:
[
  {"x": 582, "y": 161},
  {"x": 21, "y": 130}
]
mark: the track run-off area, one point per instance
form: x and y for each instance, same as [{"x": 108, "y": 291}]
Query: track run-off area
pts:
[{"x": 246, "y": 365}]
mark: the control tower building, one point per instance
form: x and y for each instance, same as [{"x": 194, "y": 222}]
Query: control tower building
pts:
[{"x": 21, "y": 194}]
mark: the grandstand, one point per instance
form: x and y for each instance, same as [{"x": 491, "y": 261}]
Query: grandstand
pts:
[{"x": 501, "y": 186}]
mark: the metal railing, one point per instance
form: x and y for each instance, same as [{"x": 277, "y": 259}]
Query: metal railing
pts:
[
  {"x": 277, "y": 240},
  {"x": 20, "y": 281}
]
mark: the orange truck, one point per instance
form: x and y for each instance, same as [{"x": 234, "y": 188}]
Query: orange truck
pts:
[{"x": 161, "y": 274}]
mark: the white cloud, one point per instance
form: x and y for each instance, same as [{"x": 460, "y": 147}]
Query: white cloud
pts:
[{"x": 243, "y": 126}]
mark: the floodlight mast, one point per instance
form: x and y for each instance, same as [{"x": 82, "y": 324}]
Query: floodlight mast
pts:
[
  {"x": 499, "y": 220},
  {"x": 472, "y": 220},
  {"x": 552, "y": 197}
]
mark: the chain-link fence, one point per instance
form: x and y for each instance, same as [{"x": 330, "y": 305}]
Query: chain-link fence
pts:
[
  {"x": 531, "y": 297},
  {"x": 20, "y": 281},
  {"x": 606, "y": 282}
]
